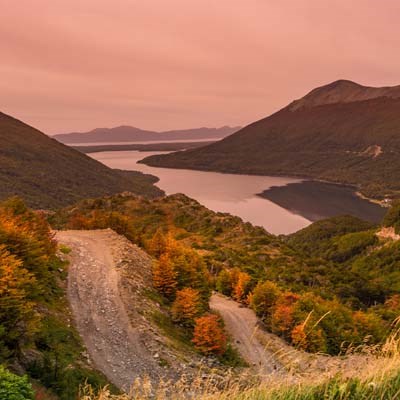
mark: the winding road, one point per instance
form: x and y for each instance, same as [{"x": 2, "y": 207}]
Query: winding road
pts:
[
  {"x": 241, "y": 324},
  {"x": 115, "y": 347}
]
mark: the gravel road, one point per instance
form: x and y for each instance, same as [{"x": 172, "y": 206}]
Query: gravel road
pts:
[
  {"x": 115, "y": 347},
  {"x": 241, "y": 324}
]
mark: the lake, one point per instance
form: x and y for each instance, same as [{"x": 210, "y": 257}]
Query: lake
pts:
[{"x": 235, "y": 194}]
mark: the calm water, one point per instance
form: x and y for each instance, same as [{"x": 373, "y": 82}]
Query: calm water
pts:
[
  {"x": 288, "y": 206},
  {"x": 235, "y": 194}
]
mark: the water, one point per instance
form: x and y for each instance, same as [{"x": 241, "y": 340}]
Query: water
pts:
[
  {"x": 288, "y": 206},
  {"x": 235, "y": 194}
]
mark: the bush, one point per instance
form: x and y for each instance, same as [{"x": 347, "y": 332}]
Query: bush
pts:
[
  {"x": 209, "y": 336},
  {"x": 14, "y": 387}
]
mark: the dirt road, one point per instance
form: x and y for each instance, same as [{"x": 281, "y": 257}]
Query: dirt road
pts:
[
  {"x": 241, "y": 324},
  {"x": 114, "y": 345}
]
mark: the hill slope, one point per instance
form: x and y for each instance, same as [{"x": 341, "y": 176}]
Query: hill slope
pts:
[
  {"x": 342, "y": 132},
  {"x": 49, "y": 174},
  {"x": 132, "y": 134}
]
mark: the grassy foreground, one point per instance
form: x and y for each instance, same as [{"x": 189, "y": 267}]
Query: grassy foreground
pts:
[{"x": 378, "y": 378}]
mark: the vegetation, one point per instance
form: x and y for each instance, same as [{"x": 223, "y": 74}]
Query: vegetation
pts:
[
  {"x": 27, "y": 156},
  {"x": 35, "y": 329},
  {"x": 348, "y": 142},
  {"x": 377, "y": 377},
  {"x": 14, "y": 387},
  {"x": 208, "y": 335},
  {"x": 392, "y": 218},
  {"x": 323, "y": 289}
]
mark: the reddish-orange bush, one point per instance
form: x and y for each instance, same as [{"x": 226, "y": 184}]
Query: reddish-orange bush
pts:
[
  {"x": 241, "y": 286},
  {"x": 209, "y": 336},
  {"x": 164, "y": 276},
  {"x": 187, "y": 306}
]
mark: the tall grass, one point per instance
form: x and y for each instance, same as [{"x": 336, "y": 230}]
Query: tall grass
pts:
[{"x": 376, "y": 376}]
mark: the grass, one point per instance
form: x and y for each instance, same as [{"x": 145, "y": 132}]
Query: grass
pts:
[
  {"x": 379, "y": 379},
  {"x": 64, "y": 249}
]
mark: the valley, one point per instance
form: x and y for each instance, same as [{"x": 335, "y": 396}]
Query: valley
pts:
[
  {"x": 281, "y": 205},
  {"x": 200, "y": 200}
]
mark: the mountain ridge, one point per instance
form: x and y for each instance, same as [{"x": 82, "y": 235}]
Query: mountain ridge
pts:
[
  {"x": 343, "y": 91},
  {"x": 129, "y": 133},
  {"x": 350, "y": 142},
  {"x": 48, "y": 174}
]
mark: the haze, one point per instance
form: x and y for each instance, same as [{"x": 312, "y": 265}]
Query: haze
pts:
[{"x": 156, "y": 64}]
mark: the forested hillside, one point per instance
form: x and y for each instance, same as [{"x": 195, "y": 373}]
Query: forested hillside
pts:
[
  {"x": 337, "y": 274},
  {"x": 48, "y": 174},
  {"x": 36, "y": 333},
  {"x": 342, "y": 132}
]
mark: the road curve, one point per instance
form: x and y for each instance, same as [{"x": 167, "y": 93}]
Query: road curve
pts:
[{"x": 241, "y": 324}]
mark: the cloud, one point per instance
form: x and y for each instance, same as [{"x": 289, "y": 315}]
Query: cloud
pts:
[{"x": 156, "y": 64}]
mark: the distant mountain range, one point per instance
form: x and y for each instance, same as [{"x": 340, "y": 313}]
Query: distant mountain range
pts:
[
  {"x": 48, "y": 174},
  {"x": 342, "y": 132},
  {"x": 132, "y": 134}
]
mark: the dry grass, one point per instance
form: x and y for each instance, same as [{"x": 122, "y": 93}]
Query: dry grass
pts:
[{"x": 363, "y": 373}]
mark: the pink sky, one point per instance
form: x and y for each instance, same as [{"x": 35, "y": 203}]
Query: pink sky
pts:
[{"x": 69, "y": 65}]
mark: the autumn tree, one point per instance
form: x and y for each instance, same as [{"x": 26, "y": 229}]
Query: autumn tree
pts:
[
  {"x": 187, "y": 306},
  {"x": 209, "y": 336},
  {"x": 264, "y": 297},
  {"x": 191, "y": 272},
  {"x": 27, "y": 235},
  {"x": 164, "y": 276},
  {"x": 157, "y": 245},
  {"x": 17, "y": 318},
  {"x": 282, "y": 319},
  {"x": 241, "y": 286}
]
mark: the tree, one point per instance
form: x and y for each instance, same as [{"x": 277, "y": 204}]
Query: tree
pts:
[
  {"x": 157, "y": 245},
  {"x": 16, "y": 310},
  {"x": 164, "y": 276},
  {"x": 264, "y": 297},
  {"x": 209, "y": 336},
  {"x": 241, "y": 286},
  {"x": 14, "y": 387},
  {"x": 187, "y": 306},
  {"x": 224, "y": 282},
  {"x": 191, "y": 271}
]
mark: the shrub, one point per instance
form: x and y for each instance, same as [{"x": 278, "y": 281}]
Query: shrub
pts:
[
  {"x": 209, "y": 336},
  {"x": 14, "y": 387},
  {"x": 186, "y": 306}
]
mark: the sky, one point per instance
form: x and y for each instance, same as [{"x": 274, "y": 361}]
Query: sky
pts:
[{"x": 75, "y": 65}]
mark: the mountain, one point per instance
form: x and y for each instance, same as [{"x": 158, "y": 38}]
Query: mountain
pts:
[
  {"x": 132, "y": 134},
  {"x": 48, "y": 174},
  {"x": 342, "y": 132}
]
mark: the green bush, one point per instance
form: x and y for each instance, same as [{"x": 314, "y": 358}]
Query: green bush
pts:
[{"x": 14, "y": 387}]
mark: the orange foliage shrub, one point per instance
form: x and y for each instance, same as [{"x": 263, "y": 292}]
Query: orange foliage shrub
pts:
[
  {"x": 240, "y": 288},
  {"x": 209, "y": 336},
  {"x": 187, "y": 306},
  {"x": 299, "y": 337},
  {"x": 164, "y": 277}
]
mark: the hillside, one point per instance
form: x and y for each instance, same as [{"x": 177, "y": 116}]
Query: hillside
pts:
[
  {"x": 48, "y": 174},
  {"x": 342, "y": 132},
  {"x": 132, "y": 134},
  {"x": 341, "y": 265}
]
